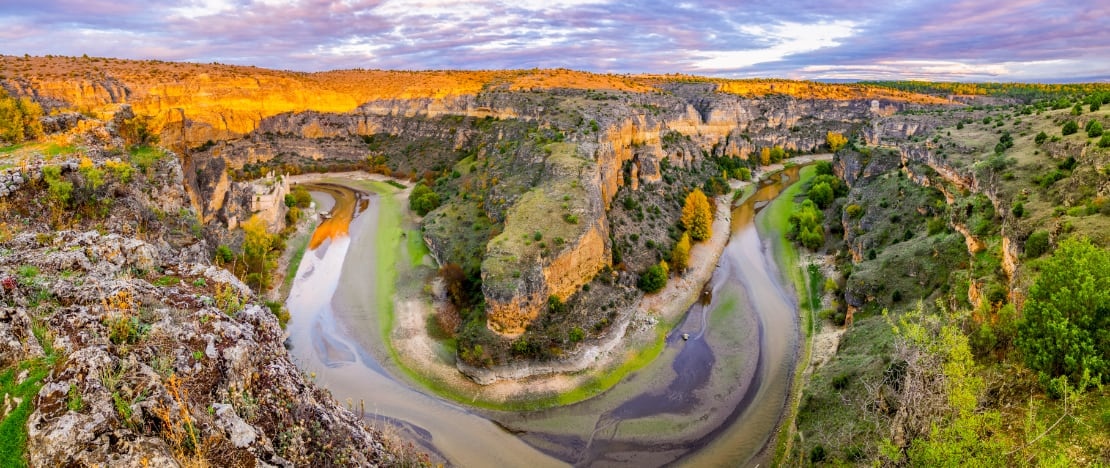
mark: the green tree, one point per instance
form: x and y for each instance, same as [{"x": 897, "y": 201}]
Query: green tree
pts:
[
  {"x": 824, "y": 168},
  {"x": 697, "y": 216},
  {"x": 1069, "y": 128},
  {"x": 777, "y": 154},
  {"x": 1040, "y": 138},
  {"x": 1104, "y": 142},
  {"x": 1094, "y": 129},
  {"x": 653, "y": 279},
  {"x": 1064, "y": 331},
  {"x": 821, "y": 194},
  {"x": 423, "y": 199}
]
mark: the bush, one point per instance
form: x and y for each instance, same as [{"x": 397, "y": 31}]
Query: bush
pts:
[
  {"x": 1094, "y": 129},
  {"x": 853, "y": 211},
  {"x": 1018, "y": 209},
  {"x": 653, "y": 279},
  {"x": 824, "y": 168},
  {"x": 1037, "y": 244},
  {"x": 1063, "y": 334},
  {"x": 821, "y": 194},
  {"x": 1105, "y": 141},
  {"x": 423, "y": 199},
  {"x": 1040, "y": 138},
  {"x": 301, "y": 197},
  {"x": 60, "y": 190},
  {"x": 1069, "y": 128}
]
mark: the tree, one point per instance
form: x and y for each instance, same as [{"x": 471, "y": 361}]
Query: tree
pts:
[
  {"x": 1067, "y": 314},
  {"x": 777, "y": 154},
  {"x": 653, "y": 279},
  {"x": 836, "y": 141},
  {"x": 1104, "y": 142},
  {"x": 1094, "y": 129},
  {"x": 19, "y": 118},
  {"x": 765, "y": 156},
  {"x": 1069, "y": 128},
  {"x": 257, "y": 244},
  {"x": 1040, "y": 138},
  {"x": 423, "y": 199},
  {"x": 824, "y": 168},
  {"x": 1037, "y": 244},
  {"x": 821, "y": 194},
  {"x": 680, "y": 256},
  {"x": 697, "y": 217}
]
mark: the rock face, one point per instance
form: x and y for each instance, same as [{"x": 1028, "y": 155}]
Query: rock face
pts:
[{"x": 160, "y": 375}]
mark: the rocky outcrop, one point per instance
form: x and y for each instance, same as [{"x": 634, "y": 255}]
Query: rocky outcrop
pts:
[{"x": 160, "y": 374}]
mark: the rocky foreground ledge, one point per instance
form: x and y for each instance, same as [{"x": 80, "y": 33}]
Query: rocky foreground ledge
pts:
[{"x": 144, "y": 357}]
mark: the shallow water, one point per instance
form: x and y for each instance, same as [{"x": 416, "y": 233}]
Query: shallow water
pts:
[{"x": 715, "y": 399}]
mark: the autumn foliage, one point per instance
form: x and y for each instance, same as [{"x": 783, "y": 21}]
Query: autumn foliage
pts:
[
  {"x": 680, "y": 256},
  {"x": 836, "y": 141},
  {"x": 697, "y": 216}
]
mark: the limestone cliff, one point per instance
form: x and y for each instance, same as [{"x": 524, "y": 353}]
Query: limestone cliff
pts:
[{"x": 240, "y": 120}]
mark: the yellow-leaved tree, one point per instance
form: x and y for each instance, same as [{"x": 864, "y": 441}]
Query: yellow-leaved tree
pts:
[
  {"x": 836, "y": 141},
  {"x": 765, "y": 156},
  {"x": 680, "y": 256},
  {"x": 697, "y": 216}
]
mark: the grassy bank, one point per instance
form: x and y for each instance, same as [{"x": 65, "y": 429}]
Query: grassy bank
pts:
[
  {"x": 300, "y": 246},
  {"x": 773, "y": 224}
]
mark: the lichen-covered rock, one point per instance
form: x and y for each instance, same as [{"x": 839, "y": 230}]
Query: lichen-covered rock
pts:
[{"x": 152, "y": 375}]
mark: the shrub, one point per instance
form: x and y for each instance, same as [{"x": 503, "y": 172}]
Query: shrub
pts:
[
  {"x": 279, "y": 311},
  {"x": 821, "y": 194},
  {"x": 423, "y": 199},
  {"x": 1037, "y": 244},
  {"x": 1094, "y": 129},
  {"x": 653, "y": 279},
  {"x": 301, "y": 197},
  {"x": 1064, "y": 334},
  {"x": 60, "y": 190},
  {"x": 121, "y": 170},
  {"x": 1104, "y": 142},
  {"x": 1040, "y": 138},
  {"x": 1069, "y": 128},
  {"x": 1018, "y": 209},
  {"x": 94, "y": 177},
  {"x": 824, "y": 168},
  {"x": 853, "y": 211}
]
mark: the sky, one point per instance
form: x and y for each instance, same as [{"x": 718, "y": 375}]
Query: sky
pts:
[{"x": 975, "y": 40}]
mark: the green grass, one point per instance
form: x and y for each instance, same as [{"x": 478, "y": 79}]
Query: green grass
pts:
[
  {"x": 300, "y": 245},
  {"x": 145, "y": 156},
  {"x": 11, "y": 148},
  {"x": 13, "y": 429},
  {"x": 416, "y": 247},
  {"x": 55, "y": 149}
]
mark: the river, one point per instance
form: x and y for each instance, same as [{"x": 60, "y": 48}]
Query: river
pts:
[{"x": 715, "y": 399}]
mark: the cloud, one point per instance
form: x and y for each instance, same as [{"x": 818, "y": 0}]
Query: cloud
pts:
[{"x": 927, "y": 39}]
